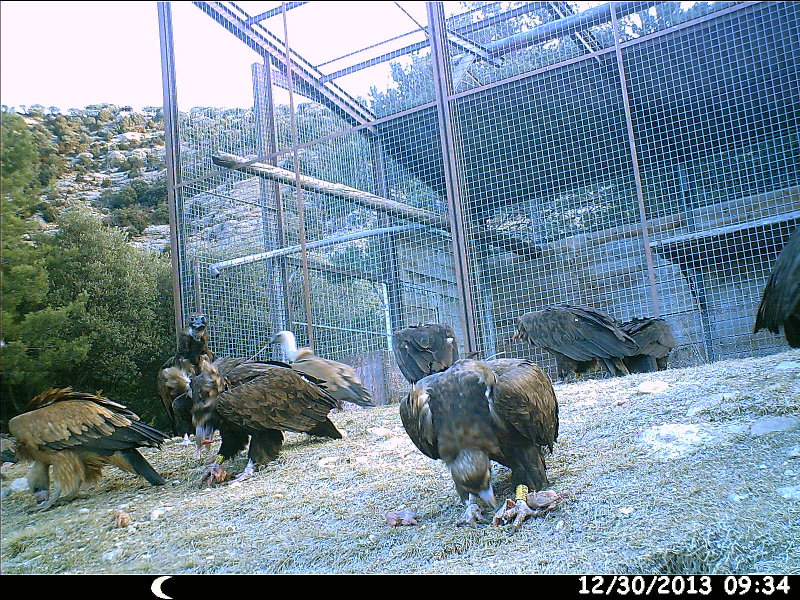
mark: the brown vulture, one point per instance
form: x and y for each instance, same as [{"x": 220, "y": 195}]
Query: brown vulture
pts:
[
  {"x": 468, "y": 415},
  {"x": 78, "y": 434},
  {"x": 655, "y": 339},
  {"x": 421, "y": 350},
  {"x": 175, "y": 375},
  {"x": 259, "y": 400},
  {"x": 338, "y": 379},
  {"x": 780, "y": 301},
  {"x": 582, "y": 338}
]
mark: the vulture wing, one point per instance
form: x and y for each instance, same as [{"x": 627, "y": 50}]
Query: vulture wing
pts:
[
  {"x": 525, "y": 401},
  {"x": 421, "y": 350},
  {"x": 277, "y": 398},
  {"x": 780, "y": 301},
  {"x": 67, "y": 420},
  {"x": 415, "y": 413},
  {"x": 581, "y": 333},
  {"x": 654, "y": 336},
  {"x": 338, "y": 379}
]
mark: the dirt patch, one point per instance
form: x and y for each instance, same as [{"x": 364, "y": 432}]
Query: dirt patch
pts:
[{"x": 665, "y": 478}]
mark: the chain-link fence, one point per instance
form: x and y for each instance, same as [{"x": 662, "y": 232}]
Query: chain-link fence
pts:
[{"x": 387, "y": 164}]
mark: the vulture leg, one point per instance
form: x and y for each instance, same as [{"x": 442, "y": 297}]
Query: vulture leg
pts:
[
  {"x": 473, "y": 514},
  {"x": 528, "y": 468}
]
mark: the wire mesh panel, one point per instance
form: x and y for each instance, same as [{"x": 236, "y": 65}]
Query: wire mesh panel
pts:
[{"x": 640, "y": 158}]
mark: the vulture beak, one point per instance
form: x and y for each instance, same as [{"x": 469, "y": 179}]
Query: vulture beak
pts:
[
  {"x": 203, "y": 435},
  {"x": 487, "y": 496}
]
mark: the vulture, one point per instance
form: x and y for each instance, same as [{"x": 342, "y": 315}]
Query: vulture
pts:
[
  {"x": 259, "y": 400},
  {"x": 780, "y": 301},
  {"x": 655, "y": 339},
  {"x": 337, "y": 379},
  {"x": 78, "y": 434},
  {"x": 421, "y": 350},
  {"x": 471, "y": 414},
  {"x": 175, "y": 375},
  {"x": 582, "y": 338}
]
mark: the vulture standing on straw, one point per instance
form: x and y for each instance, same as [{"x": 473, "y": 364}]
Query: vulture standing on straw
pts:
[
  {"x": 780, "y": 301},
  {"x": 174, "y": 378},
  {"x": 338, "y": 379},
  {"x": 467, "y": 415},
  {"x": 421, "y": 350},
  {"x": 259, "y": 400},
  {"x": 78, "y": 434},
  {"x": 580, "y": 337},
  {"x": 655, "y": 340}
]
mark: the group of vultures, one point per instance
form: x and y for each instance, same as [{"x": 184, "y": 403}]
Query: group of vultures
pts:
[{"x": 466, "y": 412}]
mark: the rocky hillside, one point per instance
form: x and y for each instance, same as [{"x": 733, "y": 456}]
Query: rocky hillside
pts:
[{"x": 106, "y": 160}]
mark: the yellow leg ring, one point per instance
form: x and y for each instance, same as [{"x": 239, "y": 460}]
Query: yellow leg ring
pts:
[{"x": 522, "y": 492}]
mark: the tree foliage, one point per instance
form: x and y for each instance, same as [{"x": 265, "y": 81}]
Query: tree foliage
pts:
[{"x": 81, "y": 307}]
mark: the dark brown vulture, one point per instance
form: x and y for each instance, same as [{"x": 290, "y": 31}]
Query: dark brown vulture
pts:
[
  {"x": 468, "y": 415},
  {"x": 655, "y": 339},
  {"x": 421, "y": 350},
  {"x": 338, "y": 379},
  {"x": 78, "y": 434},
  {"x": 175, "y": 375},
  {"x": 582, "y": 338},
  {"x": 259, "y": 400},
  {"x": 780, "y": 302}
]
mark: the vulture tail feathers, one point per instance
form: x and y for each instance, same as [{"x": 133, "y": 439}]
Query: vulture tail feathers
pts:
[
  {"x": 139, "y": 464},
  {"x": 326, "y": 429}
]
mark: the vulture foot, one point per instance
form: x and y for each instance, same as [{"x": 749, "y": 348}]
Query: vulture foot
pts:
[
  {"x": 526, "y": 505},
  {"x": 472, "y": 516},
  {"x": 514, "y": 513},
  {"x": 47, "y": 499},
  {"x": 247, "y": 473},
  {"x": 213, "y": 474}
]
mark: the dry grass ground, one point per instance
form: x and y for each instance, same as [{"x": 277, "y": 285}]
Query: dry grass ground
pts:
[{"x": 673, "y": 481}]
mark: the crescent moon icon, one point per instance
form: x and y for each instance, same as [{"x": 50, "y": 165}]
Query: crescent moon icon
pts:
[{"x": 156, "y": 587}]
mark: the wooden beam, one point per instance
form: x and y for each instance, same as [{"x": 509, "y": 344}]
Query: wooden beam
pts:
[{"x": 365, "y": 199}]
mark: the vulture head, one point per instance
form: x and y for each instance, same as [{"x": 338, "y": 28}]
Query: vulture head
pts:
[
  {"x": 206, "y": 388},
  {"x": 288, "y": 343},
  {"x": 472, "y": 474}
]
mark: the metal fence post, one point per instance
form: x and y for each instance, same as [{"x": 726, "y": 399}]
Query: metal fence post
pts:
[{"x": 443, "y": 87}]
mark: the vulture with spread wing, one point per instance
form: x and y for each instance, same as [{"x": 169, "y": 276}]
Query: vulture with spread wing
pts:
[
  {"x": 655, "y": 339},
  {"x": 421, "y": 350},
  {"x": 582, "y": 338},
  {"x": 259, "y": 400},
  {"x": 174, "y": 378},
  {"x": 338, "y": 379},
  {"x": 780, "y": 301},
  {"x": 468, "y": 415},
  {"x": 78, "y": 434}
]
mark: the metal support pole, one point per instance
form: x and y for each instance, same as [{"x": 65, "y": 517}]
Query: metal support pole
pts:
[
  {"x": 648, "y": 252},
  {"x": 272, "y": 217},
  {"x": 443, "y": 87},
  {"x": 298, "y": 189},
  {"x": 172, "y": 151},
  {"x": 388, "y": 243}
]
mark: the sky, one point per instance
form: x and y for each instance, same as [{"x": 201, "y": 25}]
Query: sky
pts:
[{"x": 73, "y": 54}]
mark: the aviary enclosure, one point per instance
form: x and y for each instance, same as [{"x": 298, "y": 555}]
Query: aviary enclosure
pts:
[{"x": 640, "y": 157}]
